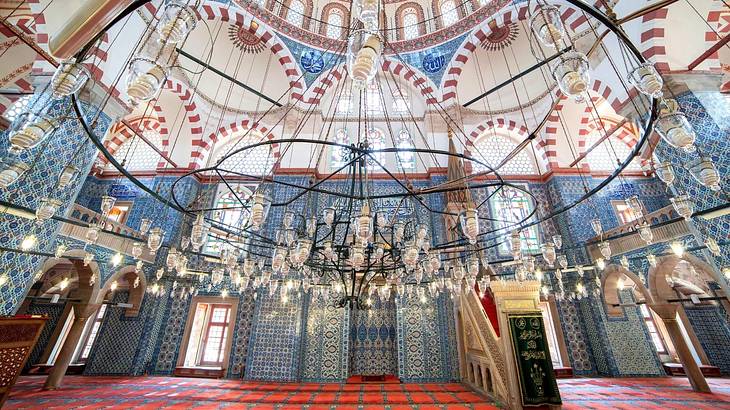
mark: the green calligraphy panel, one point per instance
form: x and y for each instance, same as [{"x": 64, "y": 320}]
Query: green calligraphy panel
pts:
[{"x": 538, "y": 385}]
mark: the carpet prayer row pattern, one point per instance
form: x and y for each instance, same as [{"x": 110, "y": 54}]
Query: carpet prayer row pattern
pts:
[{"x": 81, "y": 392}]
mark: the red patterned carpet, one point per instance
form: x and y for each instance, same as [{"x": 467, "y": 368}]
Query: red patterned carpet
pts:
[
  {"x": 181, "y": 393},
  {"x": 655, "y": 393}
]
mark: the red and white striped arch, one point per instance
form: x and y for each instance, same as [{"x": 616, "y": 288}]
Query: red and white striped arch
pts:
[
  {"x": 424, "y": 85},
  {"x": 119, "y": 133},
  {"x": 572, "y": 17},
  {"x": 204, "y": 148},
  {"x": 211, "y": 10},
  {"x": 510, "y": 127}
]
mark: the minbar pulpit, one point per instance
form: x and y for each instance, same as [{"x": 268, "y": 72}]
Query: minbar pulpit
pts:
[{"x": 18, "y": 335}]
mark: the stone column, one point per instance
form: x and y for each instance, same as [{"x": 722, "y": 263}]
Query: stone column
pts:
[
  {"x": 81, "y": 313},
  {"x": 668, "y": 313}
]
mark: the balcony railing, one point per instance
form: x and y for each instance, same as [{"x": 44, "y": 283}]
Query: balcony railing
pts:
[{"x": 666, "y": 226}]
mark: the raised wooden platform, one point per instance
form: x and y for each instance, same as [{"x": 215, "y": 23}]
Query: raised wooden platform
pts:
[
  {"x": 205, "y": 372},
  {"x": 676, "y": 369},
  {"x": 375, "y": 379},
  {"x": 563, "y": 372}
]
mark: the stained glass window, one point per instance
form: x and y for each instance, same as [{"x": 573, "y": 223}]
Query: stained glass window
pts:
[
  {"x": 229, "y": 212},
  {"x": 406, "y": 160},
  {"x": 334, "y": 23},
  {"x": 492, "y": 149},
  {"x": 137, "y": 154},
  {"x": 449, "y": 15},
  {"x": 511, "y": 206},
  {"x": 17, "y": 108},
  {"x": 295, "y": 14},
  {"x": 410, "y": 23},
  {"x": 340, "y": 154},
  {"x": 253, "y": 161},
  {"x": 604, "y": 157}
]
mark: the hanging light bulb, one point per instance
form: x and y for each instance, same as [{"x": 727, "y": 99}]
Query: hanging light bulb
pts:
[
  {"x": 137, "y": 250},
  {"x": 288, "y": 219},
  {"x": 646, "y": 233},
  {"x": 64, "y": 283},
  {"x": 713, "y": 246},
  {"x": 33, "y": 130},
  {"x": 625, "y": 262},
  {"x": 145, "y": 79},
  {"x": 68, "y": 79},
  {"x": 114, "y": 286},
  {"x": 677, "y": 248},
  {"x": 328, "y": 216},
  {"x": 117, "y": 259},
  {"x": 647, "y": 80},
  {"x": 539, "y": 275},
  {"x": 199, "y": 232},
  {"x": 367, "y": 12},
  {"x": 357, "y": 256},
  {"x": 705, "y": 173},
  {"x": 528, "y": 262},
  {"x": 548, "y": 253},
  {"x": 60, "y": 250},
  {"x": 107, "y": 203},
  {"x": 379, "y": 251},
  {"x": 652, "y": 260},
  {"x": 547, "y": 26},
  {"x": 138, "y": 267},
  {"x": 46, "y": 209},
  {"x": 259, "y": 210},
  {"x": 278, "y": 258},
  {"x": 674, "y": 128},
  {"x": 135, "y": 284},
  {"x": 399, "y": 230},
  {"x": 601, "y": 263},
  {"x": 558, "y": 241},
  {"x": 597, "y": 226},
  {"x": 172, "y": 257},
  {"x": 571, "y": 73},
  {"x": 68, "y": 175},
  {"x": 634, "y": 204},
  {"x": 410, "y": 255},
  {"x": 435, "y": 261},
  {"x": 580, "y": 270},
  {"x": 726, "y": 273},
  {"x": 145, "y": 225},
  {"x": 605, "y": 248},
  {"x": 10, "y": 170},
  {"x": 160, "y": 273},
  {"x": 177, "y": 21},
  {"x": 470, "y": 224},
  {"x": 92, "y": 234},
  {"x": 363, "y": 57},
  {"x": 92, "y": 279},
  {"x": 28, "y": 243},
  {"x": 88, "y": 258},
  {"x": 303, "y": 248},
  {"x": 154, "y": 239},
  {"x": 683, "y": 205},
  {"x": 563, "y": 261},
  {"x": 311, "y": 226},
  {"x": 364, "y": 225},
  {"x": 665, "y": 172}
]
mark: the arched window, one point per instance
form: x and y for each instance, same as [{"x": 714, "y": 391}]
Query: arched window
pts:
[
  {"x": 406, "y": 160},
  {"x": 409, "y": 22},
  {"x": 373, "y": 99},
  {"x": 340, "y": 154},
  {"x": 376, "y": 140},
  {"x": 492, "y": 149},
  {"x": 511, "y": 206},
  {"x": 18, "y": 107},
  {"x": 137, "y": 154},
  {"x": 344, "y": 103},
  {"x": 401, "y": 104},
  {"x": 334, "y": 23},
  {"x": 295, "y": 14},
  {"x": 604, "y": 156},
  {"x": 254, "y": 161},
  {"x": 449, "y": 15},
  {"x": 230, "y": 213}
]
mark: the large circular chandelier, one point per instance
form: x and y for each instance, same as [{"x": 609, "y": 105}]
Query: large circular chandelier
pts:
[{"x": 335, "y": 235}]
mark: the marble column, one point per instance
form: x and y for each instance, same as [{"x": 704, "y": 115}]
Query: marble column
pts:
[
  {"x": 668, "y": 313},
  {"x": 81, "y": 313}
]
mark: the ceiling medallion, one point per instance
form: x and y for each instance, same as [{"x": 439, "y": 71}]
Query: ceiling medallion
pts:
[
  {"x": 245, "y": 40},
  {"x": 501, "y": 37}
]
